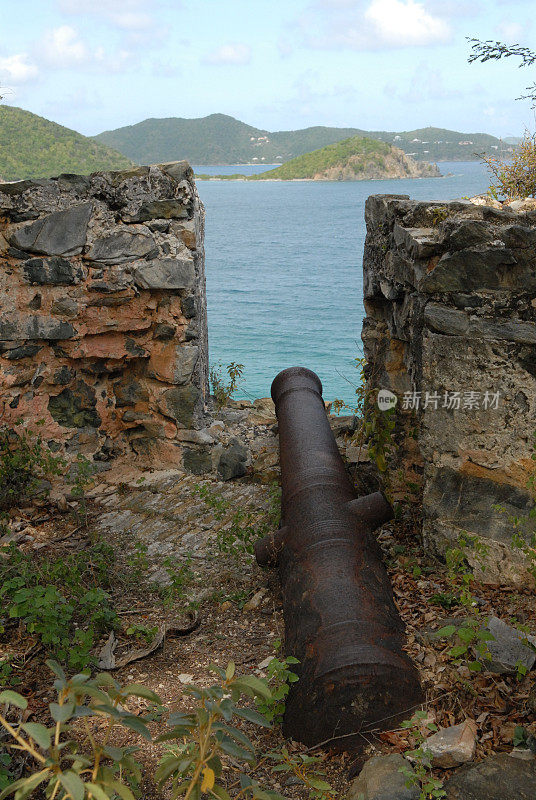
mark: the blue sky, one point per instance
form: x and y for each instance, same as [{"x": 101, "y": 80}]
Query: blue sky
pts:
[{"x": 373, "y": 64}]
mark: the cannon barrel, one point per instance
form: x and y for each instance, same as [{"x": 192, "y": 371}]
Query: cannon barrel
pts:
[{"x": 340, "y": 618}]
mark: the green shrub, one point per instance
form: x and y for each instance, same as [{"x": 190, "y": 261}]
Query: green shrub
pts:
[
  {"x": 61, "y": 602},
  {"x": 25, "y": 461},
  {"x": 222, "y": 390},
  {"x": 87, "y": 767}
]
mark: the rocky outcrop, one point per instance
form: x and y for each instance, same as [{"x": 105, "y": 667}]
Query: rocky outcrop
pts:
[
  {"x": 103, "y": 335},
  {"x": 450, "y": 296},
  {"x": 395, "y": 164}
]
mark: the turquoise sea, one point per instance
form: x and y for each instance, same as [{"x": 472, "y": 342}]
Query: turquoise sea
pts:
[{"x": 284, "y": 270}]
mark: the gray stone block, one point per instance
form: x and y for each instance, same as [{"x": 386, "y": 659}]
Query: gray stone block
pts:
[
  {"x": 117, "y": 248},
  {"x": 53, "y": 271},
  {"x": 498, "y": 777},
  {"x": 164, "y": 273},
  {"x": 59, "y": 234},
  {"x": 507, "y": 648},
  {"x": 381, "y": 779}
]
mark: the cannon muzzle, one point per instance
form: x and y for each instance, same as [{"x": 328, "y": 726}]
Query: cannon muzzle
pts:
[{"x": 340, "y": 618}]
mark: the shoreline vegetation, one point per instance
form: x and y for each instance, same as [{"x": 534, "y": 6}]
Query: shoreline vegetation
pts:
[{"x": 353, "y": 159}]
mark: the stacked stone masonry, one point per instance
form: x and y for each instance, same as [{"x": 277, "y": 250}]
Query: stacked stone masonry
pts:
[
  {"x": 103, "y": 333},
  {"x": 450, "y": 297}
]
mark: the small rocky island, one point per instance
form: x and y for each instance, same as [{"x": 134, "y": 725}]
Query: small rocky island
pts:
[{"x": 354, "y": 159}]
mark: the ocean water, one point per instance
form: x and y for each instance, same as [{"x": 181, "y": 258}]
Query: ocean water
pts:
[{"x": 284, "y": 270}]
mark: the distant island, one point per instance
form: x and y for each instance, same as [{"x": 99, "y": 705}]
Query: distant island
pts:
[
  {"x": 221, "y": 139},
  {"x": 353, "y": 159},
  {"x": 34, "y": 147}
]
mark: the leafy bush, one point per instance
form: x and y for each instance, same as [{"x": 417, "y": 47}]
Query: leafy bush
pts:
[
  {"x": 420, "y": 774},
  {"x": 75, "y": 767},
  {"x": 223, "y": 391},
  {"x": 238, "y": 537},
  {"x": 60, "y": 602},
  {"x": 279, "y": 678},
  {"x": 24, "y": 462},
  {"x": 514, "y": 179}
]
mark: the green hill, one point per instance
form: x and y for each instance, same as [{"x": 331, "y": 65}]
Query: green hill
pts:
[
  {"x": 220, "y": 139},
  {"x": 353, "y": 159},
  {"x": 34, "y": 147},
  {"x": 216, "y": 139}
]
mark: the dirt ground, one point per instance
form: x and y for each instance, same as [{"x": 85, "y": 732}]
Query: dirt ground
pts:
[{"x": 168, "y": 516}]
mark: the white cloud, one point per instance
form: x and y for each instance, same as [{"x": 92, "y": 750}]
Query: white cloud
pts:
[
  {"x": 374, "y": 24},
  {"x": 17, "y": 69},
  {"x": 129, "y": 15},
  {"x": 405, "y": 22},
  {"x": 236, "y": 54},
  {"x": 63, "y": 47}
]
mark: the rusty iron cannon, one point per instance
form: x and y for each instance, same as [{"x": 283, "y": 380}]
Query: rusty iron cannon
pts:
[{"x": 340, "y": 618}]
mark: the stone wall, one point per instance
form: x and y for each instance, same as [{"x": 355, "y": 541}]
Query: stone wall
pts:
[
  {"x": 450, "y": 297},
  {"x": 103, "y": 333}
]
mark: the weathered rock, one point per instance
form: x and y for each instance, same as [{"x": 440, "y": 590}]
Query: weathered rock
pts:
[
  {"x": 25, "y": 326},
  {"x": 197, "y": 462},
  {"x": 179, "y": 170},
  {"x": 453, "y": 746},
  {"x": 119, "y": 247},
  {"x": 232, "y": 463},
  {"x": 64, "y": 306},
  {"x": 451, "y": 330},
  {"x": 75, "y": 408},
  {"x": 106, "y": 338},
  {"x": 53, "y": 271},
  {"x": 188, "y": 305},
  {"x": 174, "y": 363},
  {"x": 381, "y": 779},
  {"x": 164, "y": 331},
  {"x": 159, "y": 209},
  {"x": 129, "y": 391},
  {"x": 60, "y": 234},
  {"x": 164, "y": 273},
  {"x": 507, "y": 649},
  {"x": 179, "y": 404},
  {"x": 498, "y": 777}
]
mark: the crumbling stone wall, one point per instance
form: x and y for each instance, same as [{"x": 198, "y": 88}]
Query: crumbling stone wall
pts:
[
  {"x": 450, "y": 297},
  {"x": 103, "y": 332}
]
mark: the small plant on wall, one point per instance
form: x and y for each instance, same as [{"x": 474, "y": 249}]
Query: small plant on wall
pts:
[{"x": 223, "y": 387}]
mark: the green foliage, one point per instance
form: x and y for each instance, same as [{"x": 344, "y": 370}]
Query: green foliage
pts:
[
  {"x": 300, "y": 765},
  {"x": 193, "y": 763},
  {"x": 138, "y": 562},
  {"x": 438, "y": 214},
  {"x": 142, "y": 632},
  {"x": 25, "y": 461},
  {"x": 34, "y": 147},
  {"x": 75, "y": 760},
  {"x": 238, "y": 536},
  {"x": 5, "y": 772},
  {"x": 368, "y": 153},
  {"x": 62, "y": 603},
  {"x": 76, "y": 767},
  {"x": 83, "y": 472},
  {"x": 180, "y": 576},
  {"x": 420, "y": 774},
  {"x": 471, "y": 637},
  {"x": 279, "y": 678},
  {"x": 514, "y": 178},
  {"x": 376, "y": 428},
  {"x": 222, "y": 390}
]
